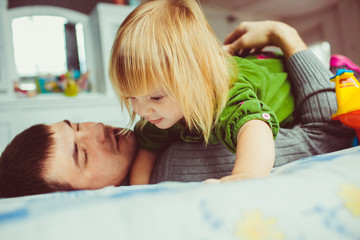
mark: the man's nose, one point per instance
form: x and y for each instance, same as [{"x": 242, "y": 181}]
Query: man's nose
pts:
[
  {"x": 95, "y": 131},
  {"x": 100, "y": 132}
]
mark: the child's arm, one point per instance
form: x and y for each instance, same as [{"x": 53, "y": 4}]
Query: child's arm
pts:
[
  {"x": 142, "y": 167},
  {"x": 255, "y": 152}
]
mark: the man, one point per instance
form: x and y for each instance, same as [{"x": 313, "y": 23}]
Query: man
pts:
[{"x": 67, "y": 156}]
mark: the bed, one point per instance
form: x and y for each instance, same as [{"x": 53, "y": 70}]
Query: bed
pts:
[{"x": 312, "y": 198}]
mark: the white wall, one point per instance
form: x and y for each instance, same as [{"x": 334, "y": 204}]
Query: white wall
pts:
[{"x": 334, "y": 21}]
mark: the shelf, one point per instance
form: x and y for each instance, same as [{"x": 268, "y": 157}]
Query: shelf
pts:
[{"x": 58, "y": 99}]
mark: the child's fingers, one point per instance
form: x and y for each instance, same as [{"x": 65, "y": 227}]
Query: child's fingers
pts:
[{"x": 212, "y": 180}]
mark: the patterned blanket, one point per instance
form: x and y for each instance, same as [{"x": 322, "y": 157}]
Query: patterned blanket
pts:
[{"x": 313, "y": 198}]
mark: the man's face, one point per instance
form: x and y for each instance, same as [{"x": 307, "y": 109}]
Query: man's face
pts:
[{"x": 89, "y": 155}]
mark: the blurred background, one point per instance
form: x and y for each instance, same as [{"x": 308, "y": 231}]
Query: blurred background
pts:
[{"x": 336, "y": 21}]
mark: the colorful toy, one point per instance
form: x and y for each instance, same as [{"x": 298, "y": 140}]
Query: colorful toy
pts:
[
  {"x": 347, "y": 90},
  {"x": 70, "y": 83},
  {"x": 71, "y": 88}
]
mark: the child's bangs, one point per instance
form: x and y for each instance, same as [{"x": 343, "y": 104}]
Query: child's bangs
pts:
[
  {"x": 144, "y": 75},
  {"x": 144, "y": 65}
]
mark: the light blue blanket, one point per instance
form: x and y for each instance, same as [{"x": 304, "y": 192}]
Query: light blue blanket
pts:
[{"x": 313, "y": 198}]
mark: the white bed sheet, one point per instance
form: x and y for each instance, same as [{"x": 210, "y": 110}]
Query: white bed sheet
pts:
[{"x": 314, "y": 198}]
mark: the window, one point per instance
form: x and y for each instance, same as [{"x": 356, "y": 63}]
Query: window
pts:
[{"x": 47, "y": 45}]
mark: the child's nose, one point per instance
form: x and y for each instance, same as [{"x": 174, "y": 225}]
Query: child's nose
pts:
[{"x": 145, "y": 111}]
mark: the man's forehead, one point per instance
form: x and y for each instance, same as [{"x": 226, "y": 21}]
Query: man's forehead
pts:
[
  {"x": 63, "y": 140},
  {"x": 60, "y": 159}
]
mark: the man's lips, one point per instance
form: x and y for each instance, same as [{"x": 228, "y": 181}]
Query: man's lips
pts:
[{"x": 156, "y": 121}]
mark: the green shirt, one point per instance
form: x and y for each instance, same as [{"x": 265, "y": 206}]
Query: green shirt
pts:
[{"x": 260, "y": 91}]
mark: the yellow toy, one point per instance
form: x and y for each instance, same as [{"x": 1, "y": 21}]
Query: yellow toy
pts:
[
  {"x": 71, "y": 88},
  {"x": 347, "y": 90}
]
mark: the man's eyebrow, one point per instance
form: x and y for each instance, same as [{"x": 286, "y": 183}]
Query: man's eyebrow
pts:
[
  {"x": 67, "y": 122},
  {"x": 75, "y": 152}
]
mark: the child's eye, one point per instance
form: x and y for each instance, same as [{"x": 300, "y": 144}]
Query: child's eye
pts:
[{"x": 157, "y": 98}]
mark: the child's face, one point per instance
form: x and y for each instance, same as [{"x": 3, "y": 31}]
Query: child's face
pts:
[{"x": 158, "y": 108}]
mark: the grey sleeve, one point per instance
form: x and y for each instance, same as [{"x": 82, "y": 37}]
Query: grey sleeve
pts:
[
  {"x": 313, "y": 133},
  {"x": 310, "y": 82}
]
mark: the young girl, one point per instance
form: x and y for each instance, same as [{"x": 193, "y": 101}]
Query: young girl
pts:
[{"x": 168, "y": 67}]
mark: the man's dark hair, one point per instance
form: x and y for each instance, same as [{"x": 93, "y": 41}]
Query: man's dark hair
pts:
[{"x": 22, "y": 164}]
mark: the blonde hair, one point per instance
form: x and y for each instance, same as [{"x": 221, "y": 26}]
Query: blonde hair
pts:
[{"x": 169, "y": 43}]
